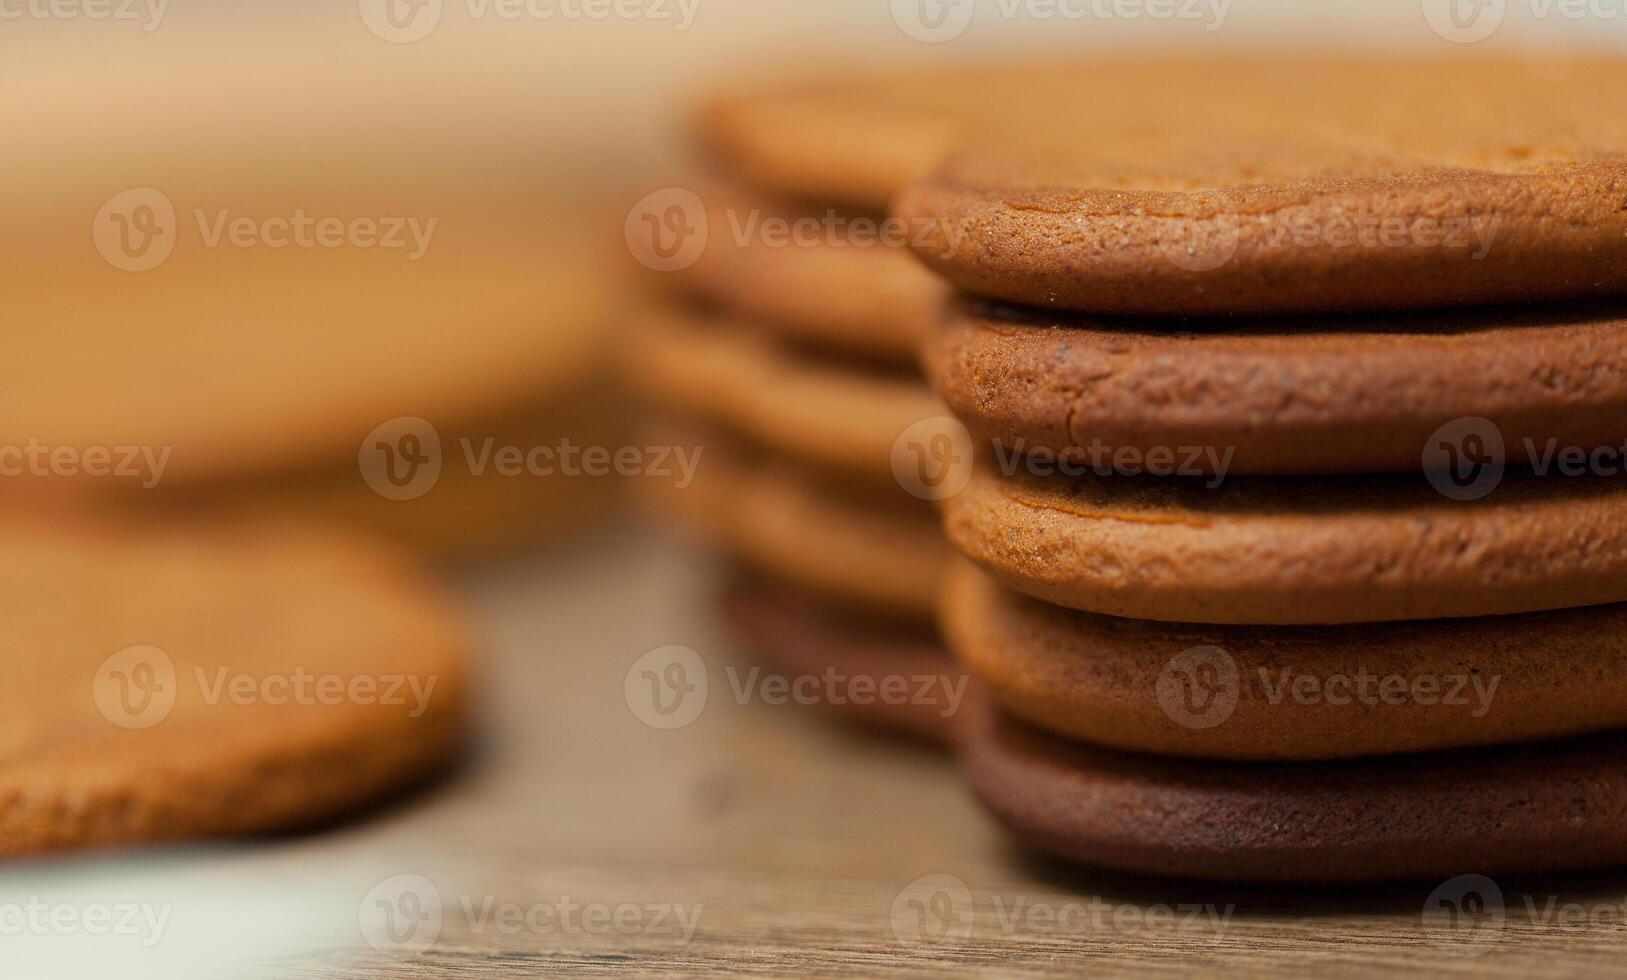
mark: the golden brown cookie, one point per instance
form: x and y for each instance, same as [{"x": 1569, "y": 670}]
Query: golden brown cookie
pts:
[
  {"x": 1279, "y": 550},
  {"x": 832, "y": 415},
  {"x": 473, "y": 509},
  {"x": 175, "y": 683},
  {"x": 853, "y": 141},
  {"x": 1549, "y": 806},
  {"x": 1289, "y": 692},
  {"x": 1349, "y": 395},
  {"x": 870, "y": 550},
  {"x": 836, "y": 281},
  {"x": 876, "y": 674},
  {"x": 256, "y": 372},
  {"x": 1270, "y": 184}
]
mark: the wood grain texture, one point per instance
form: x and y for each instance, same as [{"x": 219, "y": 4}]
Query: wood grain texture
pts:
[{"x": 796, "y": 839}]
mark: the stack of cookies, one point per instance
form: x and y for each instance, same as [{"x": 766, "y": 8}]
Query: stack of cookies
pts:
[
  {"x": 781, "y": 359},
  {"x": 1298, "y": 524}
]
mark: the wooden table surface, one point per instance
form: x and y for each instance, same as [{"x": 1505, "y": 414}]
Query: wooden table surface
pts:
[{"x": 760, "y": 840}]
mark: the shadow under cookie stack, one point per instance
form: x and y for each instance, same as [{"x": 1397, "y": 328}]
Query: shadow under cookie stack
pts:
[
  {"x": 781, "y": 359},
  {"x": 1298, "y": 526}
]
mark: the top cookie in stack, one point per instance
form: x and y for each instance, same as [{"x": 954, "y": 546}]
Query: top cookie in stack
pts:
[{"x": 1286, "y": 484}]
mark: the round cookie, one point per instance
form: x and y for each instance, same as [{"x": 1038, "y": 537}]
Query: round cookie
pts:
[
  {"x": 249, "y": 372},
  {"x": 1290, "y": 185},
  {"x": 1289, "y": 692},
  {"x": 463, "y": 515},
  {"x": 1352, "y": 395},
  {"x": 853, "y": 142},
  {"x": 839, "y": 282},
  {"x": 832, "y": 415},
  {"x": 882, "y": 553},
  {"x": 1279, "y": 550},
  {"x": 176, "y": 683},
  {"x": 1549, "y": 806},
  {"x": 879, "y": 675}
]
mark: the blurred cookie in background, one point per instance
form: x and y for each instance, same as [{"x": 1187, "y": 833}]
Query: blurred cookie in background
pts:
[
  {"x": 217, "y": 680},
  {"x": 286, "y": 297}
]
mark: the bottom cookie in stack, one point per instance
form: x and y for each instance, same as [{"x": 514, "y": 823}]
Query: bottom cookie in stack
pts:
[{"x": 1547, "y": 806}]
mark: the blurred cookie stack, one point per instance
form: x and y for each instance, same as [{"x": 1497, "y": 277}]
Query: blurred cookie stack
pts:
[
  {"x": 782, "y": 360},
  {"x": 1289, "y": 549}
]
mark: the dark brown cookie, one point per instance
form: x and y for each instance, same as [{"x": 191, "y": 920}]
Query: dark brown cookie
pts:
[
  {"x": 1548, "y": 806},
  {"x": 1348, "y": 395},
  {"x": 1280, "y": 550},
  {"x": 874, "y": 673},
  {"x": 1290, "y": 692},
  {"x": 1291, "y": 185}
]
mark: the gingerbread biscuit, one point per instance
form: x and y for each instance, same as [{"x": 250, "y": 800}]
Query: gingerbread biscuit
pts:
[
  {"x": 177, "y": 683},
  {"x": 831, "y": 415},
  {"x": 1548, "y": 806},
  {"x": 1350, "y": 395},
  {"x": 1291, "y": 185},
  {"x": 1289, "y": 692},
  {"x": 853, "y": 141},
  {"x": 240, "y": 376},
  {"x": 875, "y": 674},
  {"x": 877, "y": 552},
  {"x": 840, "y": 282},
  {"x": 1280, "y": 550}
]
